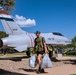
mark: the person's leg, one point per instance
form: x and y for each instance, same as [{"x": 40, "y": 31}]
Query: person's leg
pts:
[{"x": 39, "y": 58}]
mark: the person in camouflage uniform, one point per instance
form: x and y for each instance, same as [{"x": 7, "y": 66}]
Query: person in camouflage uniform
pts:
[{"x": 39, "y": 48}]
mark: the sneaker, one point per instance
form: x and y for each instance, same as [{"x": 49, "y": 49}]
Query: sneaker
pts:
[
  {"x": 39, "y": 68},
  {"x": 42, "y": 70},
  {"x": 38, "y": 72}
]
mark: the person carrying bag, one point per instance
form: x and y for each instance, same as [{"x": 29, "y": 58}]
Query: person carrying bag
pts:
[
  {"x": 39, "y": 48},
  {"x": 46, "y": 62}
]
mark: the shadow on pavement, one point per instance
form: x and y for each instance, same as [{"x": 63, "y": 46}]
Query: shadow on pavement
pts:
[
  {"x": 33, "y": 70},
  {"x": 14, "y": 58},
  {"x": 4, "y": 72},
  {"x": 69, "y": 62},
  {"x": 28, "y": 70},
  {"x": 54, "y": 59}
]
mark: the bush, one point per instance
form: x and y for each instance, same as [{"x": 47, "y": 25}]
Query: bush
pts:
[{"x": 71, "y": 53}]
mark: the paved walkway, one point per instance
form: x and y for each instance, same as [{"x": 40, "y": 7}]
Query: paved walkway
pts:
[
  {"x": 67, "y": 69},
  {"x": 61, "y": 70}
]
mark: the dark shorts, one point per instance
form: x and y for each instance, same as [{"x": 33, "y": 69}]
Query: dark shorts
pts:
[{"x": 40, "y": 52}]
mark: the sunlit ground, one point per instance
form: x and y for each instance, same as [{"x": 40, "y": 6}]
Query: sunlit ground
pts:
[{"x": 69, "y": 55}]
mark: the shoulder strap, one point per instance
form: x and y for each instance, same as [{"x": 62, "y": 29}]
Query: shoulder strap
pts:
[{"x": 43, "y": 40}]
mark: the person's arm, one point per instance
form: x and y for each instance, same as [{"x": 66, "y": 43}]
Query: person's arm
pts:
[{"x": 45, "y": 48}]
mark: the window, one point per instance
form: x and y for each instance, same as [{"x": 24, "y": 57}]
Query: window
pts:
[{"x": 59, "y": 34}]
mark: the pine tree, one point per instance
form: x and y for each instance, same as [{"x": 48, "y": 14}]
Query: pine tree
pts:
[{"x": 7, "y": 5}]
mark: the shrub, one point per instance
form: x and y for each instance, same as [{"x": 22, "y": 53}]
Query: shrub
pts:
[{"x": 71, "y": 53}]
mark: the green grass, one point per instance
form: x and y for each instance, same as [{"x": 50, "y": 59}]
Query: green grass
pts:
[
  {"x": 73, "y": 74},
  {"x": 14, "y": 54},
  {"x": 1, "y": 54},
  {"x": 70, "y": 55}
]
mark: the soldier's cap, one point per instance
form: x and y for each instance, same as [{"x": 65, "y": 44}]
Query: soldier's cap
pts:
[{"x": 37, "y": 32}]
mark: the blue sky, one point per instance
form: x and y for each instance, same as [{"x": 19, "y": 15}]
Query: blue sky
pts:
[{"x": 50, "y": 15}]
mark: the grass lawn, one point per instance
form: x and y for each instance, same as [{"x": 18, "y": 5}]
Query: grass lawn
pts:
[
  {"x": 70, "y": 55},
  {"x": 14, "y": 54},
  {"x": 73, "y": 74}
]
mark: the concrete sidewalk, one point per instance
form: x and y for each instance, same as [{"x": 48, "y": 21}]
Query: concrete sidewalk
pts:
[
  {"x": 60, "y": 70},
  {"x": 63, "y": 66},
  {"x": 65, "y": 69}
]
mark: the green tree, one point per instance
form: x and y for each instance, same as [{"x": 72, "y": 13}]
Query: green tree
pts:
[
  {"x": 7, "y": 5},
  {"x": 3, "y": 34},
  {"x": 74, "y": 42}
]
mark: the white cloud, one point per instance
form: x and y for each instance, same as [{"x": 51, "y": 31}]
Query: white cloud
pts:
[{"x": 23, "y": 22}]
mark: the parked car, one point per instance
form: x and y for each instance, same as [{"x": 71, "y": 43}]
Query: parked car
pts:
[{"x": 60, "y": 51}]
